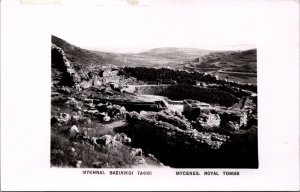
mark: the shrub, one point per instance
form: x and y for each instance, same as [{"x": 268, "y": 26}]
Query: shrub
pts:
[{"x": 60, "y": 151}]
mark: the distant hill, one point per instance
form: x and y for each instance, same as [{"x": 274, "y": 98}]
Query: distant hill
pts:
[
  {"x": 243, "y": 61},
  {"x": 234, "y": 65},
  {"x": 180, "y": 54},
  {"x": 159, "y": 57}
]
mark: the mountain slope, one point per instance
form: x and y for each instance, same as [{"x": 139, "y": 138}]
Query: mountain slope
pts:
[
  {"x": 181, "y": 54},
  {"x": 159, "y": 57},
  {"x": 236, "y": 61},
  {"x": 233, "y": 65},
  {"x": 77, "y": 55}
]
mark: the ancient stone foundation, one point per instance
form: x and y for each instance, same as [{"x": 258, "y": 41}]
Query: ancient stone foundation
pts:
[
  {"x": 183, "y": 148},
  {"x": 180, "y": 92}
]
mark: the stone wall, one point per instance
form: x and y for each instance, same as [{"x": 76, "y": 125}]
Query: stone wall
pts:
[
  {"x": 72, "y": 75},
  {"x": 60, "y": 62},
  {"x": 181, "y": 92},
  {"x": 184, "y": 148}
]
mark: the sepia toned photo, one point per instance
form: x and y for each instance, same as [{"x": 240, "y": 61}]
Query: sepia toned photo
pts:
[{"x": 162, "y": 107}]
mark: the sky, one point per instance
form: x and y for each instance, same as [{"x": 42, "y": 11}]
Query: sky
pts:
[{"x": 120, "y": 27}]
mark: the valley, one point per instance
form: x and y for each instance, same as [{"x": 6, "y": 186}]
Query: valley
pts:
[{"x": 166, "y": 107}]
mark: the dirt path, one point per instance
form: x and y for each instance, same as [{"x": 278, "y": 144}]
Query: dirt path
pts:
[{"x": 235, "y": 72}]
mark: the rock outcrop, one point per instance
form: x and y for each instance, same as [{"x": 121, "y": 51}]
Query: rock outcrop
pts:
[
  {"x": 104, "y": 140},
  {"x": 172, "y": 145},
  {"x": 60, "y": 62},
  {"x": 78, "y": 76},
  {"x": 122, "y": 138}
]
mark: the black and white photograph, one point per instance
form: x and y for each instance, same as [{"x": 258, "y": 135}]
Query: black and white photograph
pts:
[
  {"x": 147, "y": 95},
  {"x": 163, "y": 107}
]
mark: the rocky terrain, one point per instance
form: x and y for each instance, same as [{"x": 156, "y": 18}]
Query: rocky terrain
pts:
[{"x": 107, "y": 112}]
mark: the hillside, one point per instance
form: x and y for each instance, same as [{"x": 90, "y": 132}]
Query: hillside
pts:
[
  {"x": 77, "y": 55},
  {"x": 233, "y": 65},
  {"x": 159, "y": 57},
  {"x": 241, "y": 61},
  {"x": 179, "y": 54}
]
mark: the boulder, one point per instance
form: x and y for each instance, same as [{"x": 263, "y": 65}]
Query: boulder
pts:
[
  {"x": 71, "y": 149},
  {"x": 136, "y": 152},
  {"x": 78, "y": 164},
  {"x": 127, "y": 140},
  {"x": 104, "y": 140},
  {"x": 143, "y": 113},
  {"x": 106, "y": 118},
  {"x": 122, "y": 138},
  {"x": 73, "y": 130},
  {"x": 86, "y": 84},
  {"x": 94, "y": 140},
  {"x": 70, "y": 71}
]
